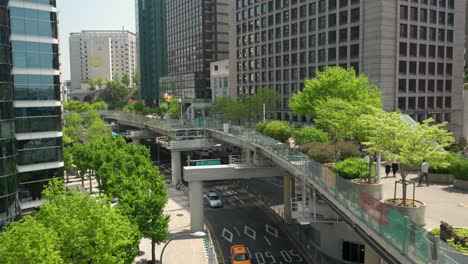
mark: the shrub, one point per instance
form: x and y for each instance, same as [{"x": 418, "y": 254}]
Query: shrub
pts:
[
  {"x": 463, "y": 232},
  {"x": 260, "y": 127},
  {"x": 447, "y": 168},
  {"x": 348, "y": 150},
  {"x": 309, "y": 134},
  {"x": 320, "y": 152},
  {"x": 351, "y": 168},
  {"x": 278, "y": 130},
  {"x": 460, "y": 169}
]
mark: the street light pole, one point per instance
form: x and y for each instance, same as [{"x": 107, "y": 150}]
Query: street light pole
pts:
[{"x": 196, "y": 234}]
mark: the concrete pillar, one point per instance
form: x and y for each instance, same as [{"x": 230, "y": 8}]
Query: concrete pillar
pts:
[
  {"x": 287, "y": 199},
  {"x": 196, "y": 206},
  {"x": 176, "y": 166},
  {"x": 370, "y": 256},
  {"x": 248, "y": 156}
]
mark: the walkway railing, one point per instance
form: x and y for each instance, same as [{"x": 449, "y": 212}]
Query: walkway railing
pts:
[{"x": 408, "y": 238}]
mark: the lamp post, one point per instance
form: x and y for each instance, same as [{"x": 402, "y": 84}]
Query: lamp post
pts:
[
  {"x": 180, "y": 101},
  {"x": 198, "y": 234}
]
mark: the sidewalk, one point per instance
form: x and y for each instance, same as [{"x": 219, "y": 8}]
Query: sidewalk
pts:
[
  {"x": 184, "y": 250},
  {"x": 443, "y": 202}
]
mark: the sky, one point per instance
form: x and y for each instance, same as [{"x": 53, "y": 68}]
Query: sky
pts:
[{"x": 78, "y": 15}]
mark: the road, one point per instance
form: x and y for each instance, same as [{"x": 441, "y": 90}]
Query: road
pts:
[{"x": 243, "y": 221}]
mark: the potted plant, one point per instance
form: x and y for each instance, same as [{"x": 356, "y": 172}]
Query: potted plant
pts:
[
  {"x": 356, "y": 169},
  {"x": 411, "y": 144}
]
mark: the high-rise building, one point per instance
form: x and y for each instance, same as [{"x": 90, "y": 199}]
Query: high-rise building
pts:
[
  {"x": 9, "y": 206},
  {"x": 197, "y": 34},
  {"x": 101, "y": 53},
  {"x": 412, "y": 50},
  {"x": 152, "y": 47},
  {"x": 219, "y": 79},
  {"x": 37, "y": 106}
]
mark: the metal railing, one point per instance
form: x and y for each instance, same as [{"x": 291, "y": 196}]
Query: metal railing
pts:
[{"x": 395, "y": 229}]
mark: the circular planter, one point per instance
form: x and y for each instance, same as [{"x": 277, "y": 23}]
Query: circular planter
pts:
[
  {"x": 415, "y": 214},
  {"x": 460, "y": 184},
  {"x": 374, "y": 189}
]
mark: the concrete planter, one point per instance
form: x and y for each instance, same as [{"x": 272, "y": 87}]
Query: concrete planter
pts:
[
  {"x": 441, "y": 178},
  {"x": 415, "y": 214},
  {"x": 460, "y": 184},
  {"x": 374, "y": 189}
]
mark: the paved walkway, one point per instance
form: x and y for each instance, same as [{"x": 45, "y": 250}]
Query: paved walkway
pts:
[
  {"x": 443, "y": 202},
  {"x": 184, "y": 250}
]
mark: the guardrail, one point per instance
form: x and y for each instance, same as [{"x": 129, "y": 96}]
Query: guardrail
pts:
[{"x": 396, "y": 230}]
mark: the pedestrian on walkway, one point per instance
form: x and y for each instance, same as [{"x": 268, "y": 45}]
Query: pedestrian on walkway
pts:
[
  {"x": 388, "y": 167},
  {"x": 394, "y": 167},
  {"x": 424, "y": 173}
]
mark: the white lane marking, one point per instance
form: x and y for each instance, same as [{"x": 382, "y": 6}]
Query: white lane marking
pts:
[
  {"x": 227, "y": 235},
  {"x": 237, "y": 231},
  {"x": 233, "y": 203},
  {"x": 268, "y": 241},
  {"x": 272, "y": 231},
  {"x": 250, "y": 232},
  {"x": 237, "y": 198}
]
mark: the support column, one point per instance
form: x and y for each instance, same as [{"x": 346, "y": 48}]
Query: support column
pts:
[
  {"x": 248, "y": 156},
  {"x": 370, "y": 256},
  {"x": 287, "y": 199},
  {"x": 196, "y": 206},
  {"x": 176, "y": 166}
]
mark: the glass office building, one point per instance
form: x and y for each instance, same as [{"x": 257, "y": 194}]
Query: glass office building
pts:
[
  {"x": 9, "y": 206},
  {"x": 36, "y": 85},
  {"x": 152, "y": 47}
]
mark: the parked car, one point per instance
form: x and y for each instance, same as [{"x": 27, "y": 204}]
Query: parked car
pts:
[
  {"x": 213, "y": 200},
  {"x": 240, "y": 255}
]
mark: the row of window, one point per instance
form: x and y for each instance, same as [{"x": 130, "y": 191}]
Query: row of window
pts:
[
  {"x": 37, "y": 156},
  {"x": 422, "y": 16},
  {"x": 8, "y": 165},
  {"x": 279, "y": 4},
  {"x": 44, "y": 2},
  {"x": 34, "y": 47},
  {"x": 285, "y": 31},
  {"x": 7, "y": 148},
  {"x": 311, "y": 57},
  {"x": 38, "y": 177},
  {"x": 6, "y": 111},
  {"x": 37, "y": 92},
  {"x": 423, "y": 68},
  {"x": 7, "y": 129},
  {"x": 37, "y": 111},
  {"x": 6, "y": 92},
  {"x": 32, "y": 14},
  {"x": 35, "y": 60},
  {"x": 423, "y": 103},
  {"x": 332, "y": 20},
  {"x": 33, "y": 27},
  {"x": 38, "y": 124},
  {"x": 425, "y": 33},
  {"x": 440, "y": 3},
  {"x": 36, "y": 79},
  {"x": 425, "y": 51},
  {"x": 424, "y": 86}
]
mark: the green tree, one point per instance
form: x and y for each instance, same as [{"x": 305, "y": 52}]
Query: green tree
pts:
[
  {"x": 136, "y": 79},
  {"x": 82, "y": 159},
  {"x": 72, "y": 105},
  {"x": 114, "y": 93},
  {"x": 278, "y": 130},
  {"x": 410, "y": 144},
  {"x": 126, "y": 80},
  {"x": 335, "y": 82},
  {"x": 92, "y": 83},
  {"x": 138, "y": 106},
  {"x": 99, "y": 106},
  {"x": 265, "y": 96},
  {"x": 231, "y": 109},
  {"x": 309, "y": 134},
  {"x": 91, "y": 117},
  {"x": 100, "y": 82},
  {"x": 98, "y": 131},
  {"x": 28, "y": 241},
  {"x": 89, "y": 230},
  {"x": 174, "y": 109}
]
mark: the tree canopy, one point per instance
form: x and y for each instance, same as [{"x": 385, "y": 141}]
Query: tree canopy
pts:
[{"x": 335, "y": 82}]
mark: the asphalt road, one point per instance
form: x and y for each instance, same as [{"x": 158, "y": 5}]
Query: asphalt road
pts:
[{"x": 243, "y": 221}]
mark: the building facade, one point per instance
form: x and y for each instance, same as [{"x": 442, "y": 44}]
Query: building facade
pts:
[
  {"x": 197, "y": 34},
  {"x": 102, "y": 53},
  {"x": 36, "y": 86},
  {"x": 152, "y": 49},
  {"x": 219, "y": 72},
  {"x": 412, "y": 50},
  {"x": 9, "y": 205}
]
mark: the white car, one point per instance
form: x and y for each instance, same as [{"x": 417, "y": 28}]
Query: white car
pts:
[{"x": 213, "y": 200}]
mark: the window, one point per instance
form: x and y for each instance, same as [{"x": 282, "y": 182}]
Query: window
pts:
[
  {"x": 412, "y": 86},
  {"x": 422, "y": 50},
  {"x": 414, "y": 13},
  {"x": 402, "y": 85},
  {"x": 354, "y": 51},
  {"x": 423, "y": 33},
  {"x": 355, "y": 33},
  {"x": 413, "y": 50},
  {"x": 440, "y": 52},
  {"x": 432, "y": 51},
  {"x": 403, "y": 49},
  {"x": 332, "y": 20},
  {"x": 343, "y": 52},
  {"x": 412, "y": 67},
  {"x": 331, "y": 54},
  {"x": 413, "y": 32},
  {"x": 449, "y": 53},
  {"x": 403, "y": 31},
  {"x": 331, "y": 37},
  {"x": 401, "y": 106},
  {"x": 423, "y": 15},
  {"x": 343, "y": 17},
  {"x": 422, "y": 68},
  {"x": 403, "y": 12},
  {"x": 343, "y": 35},
  {"x": 355, "y": 15},
  {"x": 402, "y": 67}
]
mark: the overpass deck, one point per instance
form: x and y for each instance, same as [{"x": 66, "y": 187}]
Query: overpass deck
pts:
[{"x": 392, "y": 235}]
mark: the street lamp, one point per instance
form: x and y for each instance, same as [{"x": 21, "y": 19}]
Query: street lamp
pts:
[
  {"x": 180, "y": 101},
  {"x": 198, "y": 234}
]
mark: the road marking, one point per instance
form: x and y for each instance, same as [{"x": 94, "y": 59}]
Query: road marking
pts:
[
  {"x": 250, "y": 232},
  {"x": 268, "y": 241},
  {"x": 237, "y": 231},
  {"x": 227, "y": 232},
  {"x": 272, "y": 231},
  {"x": 233, "y": 203},
  {"x": 215, "y": 238},
  {"x": 239, "y": 199}
]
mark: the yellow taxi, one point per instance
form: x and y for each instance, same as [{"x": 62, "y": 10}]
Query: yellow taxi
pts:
[{"x": 240, "y": 255}]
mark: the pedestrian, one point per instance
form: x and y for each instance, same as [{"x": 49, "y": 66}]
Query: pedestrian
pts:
[
  {"x": 424, "y": 173},
  {"x": 394, "y": 167},
  {"x": 388, "y": 167}
]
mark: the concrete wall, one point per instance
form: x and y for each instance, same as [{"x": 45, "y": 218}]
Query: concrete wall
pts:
[{"x": 75, "y": 62}]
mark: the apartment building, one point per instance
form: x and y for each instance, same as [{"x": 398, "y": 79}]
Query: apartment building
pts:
[
  {"x": 101, "y": 53},
  {"x": 197, "y": 34},
  {"x": 219, "y": 79},
  {"x": 411, "y": 49}
]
